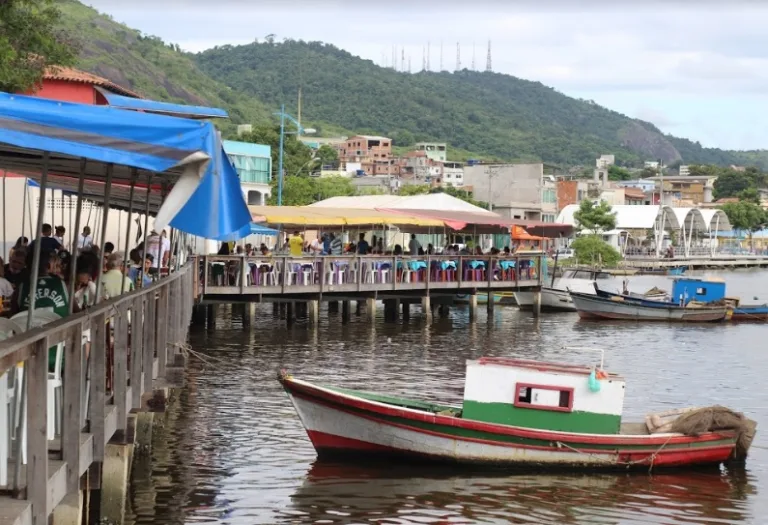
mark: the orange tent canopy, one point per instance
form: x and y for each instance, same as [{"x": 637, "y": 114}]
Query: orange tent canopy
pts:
[{"x": 519, "y": 234}]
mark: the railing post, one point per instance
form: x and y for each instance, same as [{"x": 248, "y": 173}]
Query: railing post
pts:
[
  {"x": 460, "y": 271},
  {"x": 489, "y": 270},
  {"x": 37, "y": 432},
  {"x": 162, "y": 330},
  {"x": 205, "y": 273},
  {"x": 243, "y": 266},
  {"x": 98, "y": 394},
  {"x": 71, "y": 419},
  {"x": 429, "y": 271},
  {"x": 120, "y": 383},
  {"x": 394, "y": 272},
  {"x": 173, "y": 298},
  {"x": 137, "y": 350},
  {"x": 150, "y": 329},
  {"x": 285, "y": 271}
]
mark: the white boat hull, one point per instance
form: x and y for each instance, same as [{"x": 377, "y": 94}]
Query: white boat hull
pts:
[
  {"x": 552, "y": 299},
  {"x": 593, "y": 307}
]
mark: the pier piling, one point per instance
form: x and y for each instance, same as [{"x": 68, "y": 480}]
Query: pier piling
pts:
[
  {"x": 313, "y": 312},
  {"x": 370, "y": 308},
  {"x": 426, "y": 307},
  {"x": 473, "y": 306},
  {"x": 536, "y": 303},
  {"x": 345, "y": 311}
]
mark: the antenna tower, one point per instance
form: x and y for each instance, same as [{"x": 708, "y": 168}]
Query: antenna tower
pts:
[
  {"x": 423, "y": 59},
  {"x": 458, "y": 57},
  {"x": 473, "y": 56},
  {"x": 402, "y": 58},
  {"x": 427, "y": 55},
  {"x": 409, "y": 63},
  {"x": 394, "y": 58},
  {"x": 488, "y": 66}
]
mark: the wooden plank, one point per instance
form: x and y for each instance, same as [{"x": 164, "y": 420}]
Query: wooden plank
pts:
[
  {"x": 150, "y": 324},
  {"x": 137, "y": 351},
  {"x": 162, "y": 330},
  {"x": 71, "y": 424},
  {"x": 120, "y": 383},
  {"x": 36, "y": 372},
  {"x": 98, "y": 375},
  {"x": 172, "y": 323},
  {"x": 15, "y": 511}
]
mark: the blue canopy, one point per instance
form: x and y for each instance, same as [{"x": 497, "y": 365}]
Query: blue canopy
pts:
[
  {"x": 206, "y": 199},
  {"x": 163, "y": 108}
]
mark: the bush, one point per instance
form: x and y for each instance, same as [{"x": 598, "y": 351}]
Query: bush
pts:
[{"x": 591, "y": 249}]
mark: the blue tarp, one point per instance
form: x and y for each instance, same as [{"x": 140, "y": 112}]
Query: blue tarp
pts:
[
  {"x": 163, "y": 108},
  {"x": 208, "y": 197},
  {"x": 251, "y": 229}
]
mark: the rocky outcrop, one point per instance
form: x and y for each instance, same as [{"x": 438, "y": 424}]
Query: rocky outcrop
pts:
[{"x": 650, "y": 144}]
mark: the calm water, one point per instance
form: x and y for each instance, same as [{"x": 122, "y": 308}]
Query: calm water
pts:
[{"x": 233, "y": 451}]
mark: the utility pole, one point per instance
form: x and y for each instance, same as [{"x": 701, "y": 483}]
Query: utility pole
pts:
[
  {"x": 488, "y": 67},
  {"x": 402, "y": 58},
  {"x": 491, "y": 174}
]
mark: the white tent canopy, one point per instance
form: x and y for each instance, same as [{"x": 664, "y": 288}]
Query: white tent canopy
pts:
[
  {"x": 716, "y": 220},
  {"x": 630, "y": 217},
  {"x": 429, "y": 201}
]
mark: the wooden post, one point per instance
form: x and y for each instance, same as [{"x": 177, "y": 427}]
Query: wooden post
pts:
[
  {"x": 426, "y": 307},
  {"x": 71, "y": 423},
  {"x": 36, "y": 370},
  {"x": 162, "y": 331},
  {"x": 473, "y": 306},
  {"x": 537, "y": 303},
  {"x": 120, "y": 384},
  {"x": 149, "y": 340},
  {"x": 370, "y": 308},
  {"x": 137, "y": 350},
  {"x": 98, "y": 394},
  {"x": 344, "y": 312}
]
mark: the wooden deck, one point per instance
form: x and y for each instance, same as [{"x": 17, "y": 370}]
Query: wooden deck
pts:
[
  {"x": 714, "y": 262},
  {"x": 329, "y": 277},
  {"x": 93, "y": 411}
]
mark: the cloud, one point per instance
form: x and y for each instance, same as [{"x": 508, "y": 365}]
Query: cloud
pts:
[{"x": 599, "y": 49}]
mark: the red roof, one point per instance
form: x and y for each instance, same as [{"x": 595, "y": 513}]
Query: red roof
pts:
[
  {"x": 634, "y": 193},
  {"x": 75, "y": 75}
]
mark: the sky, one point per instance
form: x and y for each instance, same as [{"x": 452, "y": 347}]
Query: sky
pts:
[{"x": 696, "y": 69}]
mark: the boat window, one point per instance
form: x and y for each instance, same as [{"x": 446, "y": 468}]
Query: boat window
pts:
[
  {"x": 544, "y": 397},
  {"x": 582, "y": 274},
  {"x": 568, "y": 274},
  {"x": 602, "y": 276}
]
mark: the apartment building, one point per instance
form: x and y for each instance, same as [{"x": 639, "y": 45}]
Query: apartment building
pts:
[
  {"x": 453, "y": 174},
  {"x": 516, "y": 191},
  {"x": 437, "y": 151},
  {"x": 374, "y": 153}
]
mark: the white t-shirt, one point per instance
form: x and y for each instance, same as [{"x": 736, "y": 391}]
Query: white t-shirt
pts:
[
  {"x": 6, "y": 289},
  {"x": 84, "y": 242},
  {"x": 83, "y": 293},
  {"x": 158, "y": 246}
]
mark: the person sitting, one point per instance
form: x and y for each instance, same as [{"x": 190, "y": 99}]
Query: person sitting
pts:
[
  {"x": 264, "y": 250},
  {"x": 15, "y": 269},
  {"x": 85, "y": 288},
  {"x": 51, "y": 292},
  {"x": 140, "y": 276}
]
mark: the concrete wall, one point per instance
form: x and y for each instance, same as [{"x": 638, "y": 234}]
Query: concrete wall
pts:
[{"x": 513, "y": 185}]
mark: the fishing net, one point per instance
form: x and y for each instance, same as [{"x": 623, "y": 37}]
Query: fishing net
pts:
[{"x": 714, "y": 418}]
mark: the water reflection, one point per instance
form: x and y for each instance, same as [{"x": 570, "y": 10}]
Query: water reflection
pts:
[
  {"x": 333, "y": 493},
  {"x": 232, "y": 451}
]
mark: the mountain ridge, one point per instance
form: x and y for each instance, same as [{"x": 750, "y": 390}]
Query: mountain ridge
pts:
[{"x": 492, "y": 115}]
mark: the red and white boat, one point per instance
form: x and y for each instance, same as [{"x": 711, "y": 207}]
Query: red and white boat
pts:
[{"x": 517, "y": 413}]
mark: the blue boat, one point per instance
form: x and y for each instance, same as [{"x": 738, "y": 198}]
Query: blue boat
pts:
[
  {"x": 687, "y": 289},
  {"x": 677, "y": 271}
]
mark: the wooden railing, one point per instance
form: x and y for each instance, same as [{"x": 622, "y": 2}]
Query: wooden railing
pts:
[
  {"x": 112, "y": 352},
  {"x": 354, "y": 273}
]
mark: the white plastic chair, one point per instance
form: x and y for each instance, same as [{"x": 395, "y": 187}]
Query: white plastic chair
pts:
[
  {"x": 40, "y": 318},
  {"x": 8, "y": 328}
]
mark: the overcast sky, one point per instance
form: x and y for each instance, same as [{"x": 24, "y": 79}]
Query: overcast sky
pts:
[{"x": 696, "y": 69}]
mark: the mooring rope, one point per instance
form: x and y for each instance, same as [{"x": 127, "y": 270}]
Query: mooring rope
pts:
[{"x": 651, "y": 458}]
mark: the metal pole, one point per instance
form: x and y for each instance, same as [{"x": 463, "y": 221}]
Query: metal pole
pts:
[
  {"x": 134, "y": 176},
  {"x": 280, "y": 158},
  {"x": 5, "y": 219},
  {"x": 78, "y": 213},
  {"x": 146, "y": 227},
  {"x": 29, "y": 211},
  {"x": 104, "y": 217},
  {"x": 24, "y": 208}
]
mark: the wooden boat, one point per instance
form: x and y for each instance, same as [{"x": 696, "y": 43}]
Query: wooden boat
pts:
[
  {"x": 515, "y": 413},
  {"x": 621, "y": 307},
  {"x": 555, "y": 298}
]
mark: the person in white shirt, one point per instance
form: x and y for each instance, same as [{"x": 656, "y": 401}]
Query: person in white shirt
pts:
[
  {"x": 414, "y": 246},
  {"x": 84, "y": 240},
  {"x": 6, "y": 288},
  {"x": 59, "y": 232},
  {"x": 166, "y": 254}
]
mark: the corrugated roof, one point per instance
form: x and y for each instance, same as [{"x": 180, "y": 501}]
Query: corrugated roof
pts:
[
  {"x": 629, "y": 217},
  {"x": 71, "y": 74},
  {"x": 429, "y": 201}
]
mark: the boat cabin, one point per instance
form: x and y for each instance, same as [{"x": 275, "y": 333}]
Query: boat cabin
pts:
[
  {"x": 542, "y": 396},
  {"x": 686, "y": 289}
]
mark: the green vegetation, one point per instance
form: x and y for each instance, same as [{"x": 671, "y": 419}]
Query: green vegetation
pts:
[
  {"x": 591, "y": 249},
  {"x": 732, "y": 183},
  {"x": 487, "y": 116},
  {"x": 30, "y": 41},
  {"x": 595, "y": 218},
  {"x": 303, "y": 190}
]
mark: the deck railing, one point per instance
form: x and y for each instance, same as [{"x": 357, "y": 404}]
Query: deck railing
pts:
[
  {"x": 106, "y": 358},
  {"x": 237, "y": 274}
]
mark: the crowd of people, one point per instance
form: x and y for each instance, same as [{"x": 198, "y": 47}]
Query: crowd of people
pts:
[{"x": 55, "y": 270}]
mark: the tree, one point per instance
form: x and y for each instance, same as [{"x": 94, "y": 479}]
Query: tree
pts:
[
  {"x": 732, "y": 183},
  {"x": 303, "y": 190},
  {"x": 403, "y": 138},
  {"x": 750, "y": 195},
  {"x": 327, "y": 155},
  {"x": 592, "y": 249},
  {"x": 617, "y": 173},
  {"x": 413, "y": 189},
  {"x": 296, "y": 155},
  {"x": 31, "y": 42},
  {"x": 595, "y": 218},
  {"x": 745, "y": 216}
]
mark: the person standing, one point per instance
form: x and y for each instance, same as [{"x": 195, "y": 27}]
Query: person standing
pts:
[
  {"x": 114, "y": 281},
  {"x": 155, "y": 249},
  {"x": 296, "y": 244},
  {"x": 51, "y": 291},
  {"x": 47, "y": 242},
  {"x": 59, "y": 232},
  {"x": 335, "y": 244},
  {"x": 84, "y": 240},
  {"x": 414, "y": 245},
  {"x": 362, "y": 245}
]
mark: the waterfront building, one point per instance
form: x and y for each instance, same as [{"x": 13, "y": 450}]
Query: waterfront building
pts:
[{"x": 253, "y": 164}]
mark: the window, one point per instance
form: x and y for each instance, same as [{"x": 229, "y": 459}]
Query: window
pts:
[
  {"x": 701, "y": 291},
  {"x": 544, "y": 397}
]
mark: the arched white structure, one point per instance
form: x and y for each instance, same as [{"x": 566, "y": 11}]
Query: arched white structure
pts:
[
  {"x": 716, "y": 221},
  {"x": 631, "y": 217},
  {"x": 690, "y": 220}
]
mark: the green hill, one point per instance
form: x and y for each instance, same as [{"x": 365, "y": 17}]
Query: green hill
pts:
[
  {"x": 485, "y": 114},
  {"x": 149, "y": 66}
]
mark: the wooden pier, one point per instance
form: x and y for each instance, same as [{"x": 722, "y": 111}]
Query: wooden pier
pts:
[
  {"x": 114, "y": 356},
  {"x": 698, "y": 262},
  {"x": 306, "y": 281}
]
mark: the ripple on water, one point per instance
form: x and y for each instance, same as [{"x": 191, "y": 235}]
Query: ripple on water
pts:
[{"x": 232, "y": 451}]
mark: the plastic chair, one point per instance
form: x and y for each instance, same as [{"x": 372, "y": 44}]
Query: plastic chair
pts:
[
  {"x": 8, "y": 328},
  {"x": 40, "y": 318}
]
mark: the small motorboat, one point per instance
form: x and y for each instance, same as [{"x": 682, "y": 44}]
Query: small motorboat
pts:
[
  {"x": 623, "y": 308},
  {"x": 556, "y": 298},
  {"x": 517, "y": 413}
]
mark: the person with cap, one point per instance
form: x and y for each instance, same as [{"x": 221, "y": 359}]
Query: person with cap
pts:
[{"x": 114, "y": 281}]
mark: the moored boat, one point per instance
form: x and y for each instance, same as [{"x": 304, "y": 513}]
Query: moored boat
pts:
[
  {"x": 618, "y": 307},
  {"x": 555, "y": 298},
  {"x": 517, "y": 413}
]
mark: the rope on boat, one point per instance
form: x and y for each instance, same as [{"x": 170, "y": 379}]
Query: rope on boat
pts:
[{"x": 651, "y": 459}]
